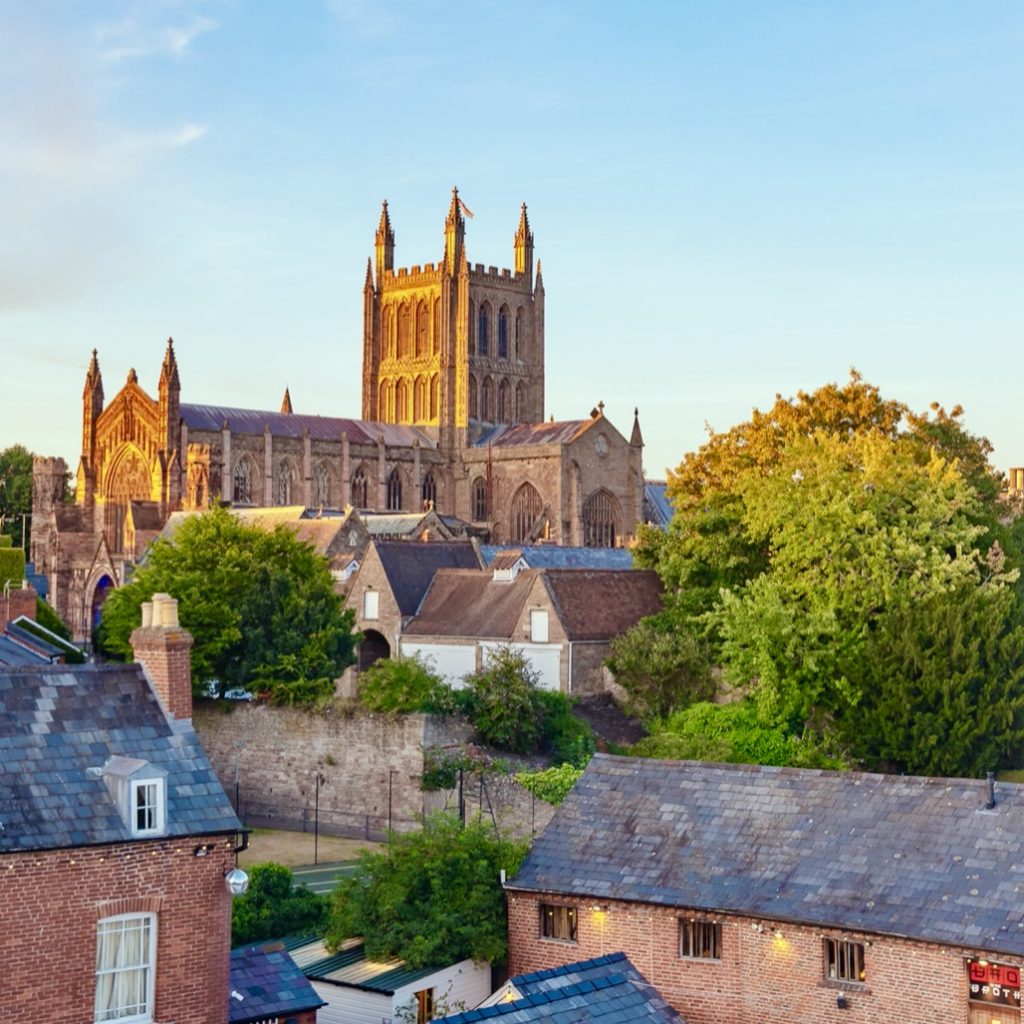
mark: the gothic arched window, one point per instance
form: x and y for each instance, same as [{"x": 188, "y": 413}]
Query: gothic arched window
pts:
[
  {"x": 504, "y": 401},
  {"x": 284, "y": 489},
  {"x": 386, "y": 411},
  {"x": 429, "y": 490},
  {"x": 471, "y": 340},
  {"x": 503, "y": 333},
  {"x": 359, "y": 489},
  {"x": 321, "y": 486},
  {"x": 524, "y": 522},
  {"x": 401, "y": 402},
  {"x": 520, "y": 402},
  {"x": 419, "y": 413},
  {"x": 483, "y": 330},
  {"x": 480, "y": 503},
  {"x": 600, "y": 520},
  {"x": 434, "y": 396},
  {"x": 404, "y": 330},
  {"x": 388, "y": 333},
  {"x": 472, "y": 398},
  {"x": 241, "y": 484},
  {"x": 394, "y": 490},
  {"x": 437, "y": 325},
  {"x": 422, "y": 329},
  {"x": 519, "y": 332},
  {"x": 487, "y": 401}
]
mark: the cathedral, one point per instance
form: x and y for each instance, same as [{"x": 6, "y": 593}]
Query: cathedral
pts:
[{"x": 452, "y": 419}]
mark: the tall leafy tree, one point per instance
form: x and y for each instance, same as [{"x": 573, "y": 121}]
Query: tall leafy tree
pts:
[
  {"x": 16, "y": 493},
  {"x": 260, "y": 606},
  {"x": 435, "y": 897},
  {"x": 274, "y": 907}
]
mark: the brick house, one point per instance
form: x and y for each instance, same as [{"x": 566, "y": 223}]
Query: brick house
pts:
[
  {"x": 115, "y": 838},
  {"x": 562, "y": 620},
  {"x": 777, "y": 895}
]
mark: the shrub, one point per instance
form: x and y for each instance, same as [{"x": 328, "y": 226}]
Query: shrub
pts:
[
  {"x": 401, "y": 685},
  {"x": 551, "y": 785},
  {"x": 273, "y": 906},
  {"x": 568, "y": 739},
  {"x": 506, "y": 712}
]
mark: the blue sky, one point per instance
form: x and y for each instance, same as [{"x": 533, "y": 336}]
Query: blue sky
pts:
[{"x": 730, "y": 199}]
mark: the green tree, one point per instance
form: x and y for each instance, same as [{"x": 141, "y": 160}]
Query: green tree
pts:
[
  {"x": 16, "y": 493},
  {"x": 260, "y": 606},
  {"x": 400, "y": 686},
  {"x": 435, "y": 897},
  {"x": 505, "y": 710},
  {"x": 552, "y": 785},
  {"x": 663, "y": 665},
  {"x": 274, "y": 907}
]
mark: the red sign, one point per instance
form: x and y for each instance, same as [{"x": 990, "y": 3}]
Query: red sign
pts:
[{"x": 993, "y": 983}]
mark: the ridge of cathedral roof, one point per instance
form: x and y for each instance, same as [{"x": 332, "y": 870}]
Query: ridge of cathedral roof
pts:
[
  {"x": 506, "y": 435},
  {"x": 321, "y": 428}
]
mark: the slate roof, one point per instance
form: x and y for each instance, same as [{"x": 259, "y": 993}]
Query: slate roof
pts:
[
  {"x": 605, "y": 990},
  {"x": 657, "y": 508},
  {"x": 349, "y": 966},
  {"x": 601, "y": 604},
  {"x": 46, "y": 651},
  {"x": 515, "y": 435},
  {"x": 554, "y": 556},
  {"x": 321, "y": 428},
  {"x": 58, "y": 722},
  {"x": 470, "y": 603},
  {"x": 269, "y": 983},
  {"x": 15, "y": 655},
  {"x": 896, "y": 855},
  {"x": 590, "y": 604},
  {"x": 410, "y": 566}
]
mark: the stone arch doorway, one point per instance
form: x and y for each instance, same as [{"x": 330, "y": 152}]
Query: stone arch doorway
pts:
[
  {"x": 373, "y": 647},
  {"x": 104, "y": 585}
]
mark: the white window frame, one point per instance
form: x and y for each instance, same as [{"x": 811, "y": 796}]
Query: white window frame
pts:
[
  {"x": 159, "y": 806},
  {"x": 371, "y": 605},
  {"x": 123, "y": 1012},
  {"x": 538, "y": 625}
]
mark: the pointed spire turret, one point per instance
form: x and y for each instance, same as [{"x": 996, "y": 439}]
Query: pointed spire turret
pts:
[
  {"x": 286, "y": 402},
  {"x": 169, "y": 370},
  {"x": 454, "y": 234},
  {"x": 384, "y": 243},
  {"x": 92, "y": 406},
  {"x": 523, "y": 245},
  {"x": 368, "y": 283},
  {"x": 93, "y": 380},
  {"x": 636, "y": 439}
]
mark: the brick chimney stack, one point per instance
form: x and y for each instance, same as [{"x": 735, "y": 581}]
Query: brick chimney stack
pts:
[
  {"x": 163, "y": 649},
  {"x": 15, "y": 601}
]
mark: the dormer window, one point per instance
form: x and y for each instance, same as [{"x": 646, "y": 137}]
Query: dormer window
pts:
[
  {"x": 148, "y": 805},
  {"x": 139, "y": 791}
]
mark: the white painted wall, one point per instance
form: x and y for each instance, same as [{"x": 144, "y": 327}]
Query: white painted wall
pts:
[
  {"x": 346, "y": 1005},
  {"x": 452, "y": 662},
  {"x": 545, "y": 659},
  {"x": 464, "y": 985}
]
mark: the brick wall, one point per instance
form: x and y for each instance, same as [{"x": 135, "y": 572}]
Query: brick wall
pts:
[
  {"x": 761, "y": 978},
  {"x": 16, "y": 602},
  {"x": 52, "y": 901}
]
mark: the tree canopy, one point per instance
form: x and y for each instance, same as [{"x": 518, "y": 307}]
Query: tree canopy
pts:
[
  {"x": 15, "y": 493},
  {"x": 834, "y": 551},
  {"x": 260, "y": 606},
  {"x": 274, "y": 907},
  {"x": 434, "y": 897}
]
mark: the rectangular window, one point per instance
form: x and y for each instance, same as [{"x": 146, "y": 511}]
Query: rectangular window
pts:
[
  {"x": 539, "y": 626},
  {"x": 125, "y": 968},
  {"x": 425, "y": 1006},
  {"x": 371, "y": 604},
  {"x": 558, "y": 922},
  {"x": 844, "y": 961},
  {"x": 148, "y": 807},
  {"x": 700, "y": 940}
]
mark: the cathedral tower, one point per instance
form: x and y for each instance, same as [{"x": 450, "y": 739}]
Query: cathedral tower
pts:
[{"x": 453, "y": 346}]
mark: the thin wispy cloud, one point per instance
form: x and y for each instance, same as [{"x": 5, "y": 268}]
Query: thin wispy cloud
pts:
[
  {"x": 364, "y": 17},
  {"x": 130, "y": 40}
]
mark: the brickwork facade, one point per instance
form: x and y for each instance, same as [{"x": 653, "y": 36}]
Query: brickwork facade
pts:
[
  {"x": 52, "y": 901},
  {"x": 768, "y": 972}
]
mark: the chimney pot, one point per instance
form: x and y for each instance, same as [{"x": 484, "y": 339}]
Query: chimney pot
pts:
[
  {"x": 147, "y": 614},
  {"x": 163, "y": 648}
]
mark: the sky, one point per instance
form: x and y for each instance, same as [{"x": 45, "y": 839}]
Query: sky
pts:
[{"x": 731, "y": 200}]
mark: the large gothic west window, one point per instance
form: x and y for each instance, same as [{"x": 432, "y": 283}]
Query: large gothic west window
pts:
[
  {"x": 359, "y": 489},
  {"x": 525, "y": 524},
  {"x": 600, "y": 520},
  {"x": 241, "y": 484},
  {"x": 429, "y": 490},
  {"x": 321, "y": 486},
  {"x": 394, "y": 491}
]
